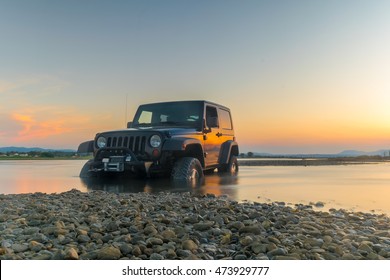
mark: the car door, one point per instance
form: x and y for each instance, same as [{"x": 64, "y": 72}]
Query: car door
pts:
[{"x": 212, "y": 136}]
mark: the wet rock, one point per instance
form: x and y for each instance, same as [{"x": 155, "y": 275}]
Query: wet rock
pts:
[
  {"x": 192, "y": 219},
  {"x": 31, "y": 230},
  {"x": 226, "y": 239},
  {"x": 112, "y": 226},
  {"x": 203, "y": 226},
  {"x": 184, "y": 254},
  {"x": 83, "y": 239},
  {"x": 273, "y": 240},
  {"x": 246, "y": 241},
  {"x": 271, "y": 247},
  {"x": 126, "y": 249},
  {"x": 150, "y": 230},
  {"x": 240, "y": 257},
  {"x": 171, "y": 254},
  {"x": 236, "y": 225},
  {"x": 250, "y": 229},
  {"x": 365, "y": 247},
  {"x": 109, "y": 253},
  {"x": 136, "y": 251},
  {"x": 266, "y": 224},
  {"x": 18, "y": 248},
  {"x": 154, "y": 241},
  {"x": 284, "y": 258},
  {"x": 277, "y": 252},
  {"x": 348, "y": 256},
  {"x": 39, "y": 237},
  {"x": 189, "y": 245},
  {"x": 156, "y": 256},
  {"x": 315, "y": 242},
  {"x": 71, "y": 254},
  {"x": 36, "y": 246},
  {"x": 168, "y": 234},
  {"x": 259, "y": 248},
  {"x": 319, "y": 204},
  {"x": 327, "y": 239}
]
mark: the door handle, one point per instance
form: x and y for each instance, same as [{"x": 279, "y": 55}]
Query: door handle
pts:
[{"x": 219, "y": 134}]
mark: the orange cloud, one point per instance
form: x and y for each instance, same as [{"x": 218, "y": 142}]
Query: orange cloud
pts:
[
  {"x": 51, "y": 127},
  {"x": 33, "y": 129}
]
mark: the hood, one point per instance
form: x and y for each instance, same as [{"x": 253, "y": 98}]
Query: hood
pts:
[{"x": 171, "y": 131}]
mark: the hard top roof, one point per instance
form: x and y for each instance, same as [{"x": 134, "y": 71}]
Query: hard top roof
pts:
[{"x": 195, "y": 101}]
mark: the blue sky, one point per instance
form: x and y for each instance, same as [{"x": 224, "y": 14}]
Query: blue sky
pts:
[{"x": 299, "y": 76}]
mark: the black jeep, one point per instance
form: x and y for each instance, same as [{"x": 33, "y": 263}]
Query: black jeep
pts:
[{"x": 182, "y": 139}]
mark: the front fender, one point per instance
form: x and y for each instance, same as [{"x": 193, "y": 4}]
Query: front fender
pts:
[{"x": 85, "y": 147}]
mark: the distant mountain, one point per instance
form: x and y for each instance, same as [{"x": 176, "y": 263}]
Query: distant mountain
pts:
[
  {"x": 346, "y": 153},
  {"x": 354, "y": 153},
  {"x": 35, "y": 149}
]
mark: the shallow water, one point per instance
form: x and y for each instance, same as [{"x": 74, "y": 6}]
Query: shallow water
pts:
[{"x": 353, "y": 187}]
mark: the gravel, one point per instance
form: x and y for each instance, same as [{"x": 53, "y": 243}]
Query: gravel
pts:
[{"x": 99, "y": 225}]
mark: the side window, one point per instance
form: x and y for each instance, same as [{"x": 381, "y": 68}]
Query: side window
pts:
[
  {"x": 211, "y": 117},
  {"x": 225, "y": 119}
]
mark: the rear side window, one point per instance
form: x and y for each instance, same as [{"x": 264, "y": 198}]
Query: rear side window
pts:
[{"x": 225, "y": 119}]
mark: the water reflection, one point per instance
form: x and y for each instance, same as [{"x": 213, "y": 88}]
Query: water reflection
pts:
[
  {"x": 212, "y": 184},
  {"x": 353, "y": 187}
]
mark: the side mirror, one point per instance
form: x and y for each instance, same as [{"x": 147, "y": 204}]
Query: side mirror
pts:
[{"x": 129, "y": 124}]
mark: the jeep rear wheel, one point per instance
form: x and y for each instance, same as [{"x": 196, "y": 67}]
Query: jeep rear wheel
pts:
[
  {"x": 187, "y": 169},
  {"x": 231, "y": 167}
]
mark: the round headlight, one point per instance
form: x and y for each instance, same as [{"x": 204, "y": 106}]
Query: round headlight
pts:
[
  {"x": 155, "y": 141},
  {"x": 101, "y": 142}
]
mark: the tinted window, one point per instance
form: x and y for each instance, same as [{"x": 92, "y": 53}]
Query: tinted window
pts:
[
  {"x": 225, "y": 119},
  {"x": 169, "y": 114},
  {"x": 211, "y": 117}
]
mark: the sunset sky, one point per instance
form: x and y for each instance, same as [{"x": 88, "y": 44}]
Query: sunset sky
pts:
[{"x": 299, "y": 76}]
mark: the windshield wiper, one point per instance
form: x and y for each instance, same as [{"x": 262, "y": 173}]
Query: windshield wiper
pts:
[{"x": 145, "y": 124}]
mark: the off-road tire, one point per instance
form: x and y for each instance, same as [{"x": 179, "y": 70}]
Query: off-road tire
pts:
[
  {"x": 84, "y": 173},
  {"x": 231, "y": 167},
  {"x": 187, "y": 169}
]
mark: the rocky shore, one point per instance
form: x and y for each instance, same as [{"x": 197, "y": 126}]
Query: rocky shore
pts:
[{"x": 101, "y": 225}]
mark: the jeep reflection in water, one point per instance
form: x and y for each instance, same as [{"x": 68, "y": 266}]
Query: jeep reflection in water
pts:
[{"x": 182, "y": 139}]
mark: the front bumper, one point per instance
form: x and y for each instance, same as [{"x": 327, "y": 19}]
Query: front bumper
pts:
[{"x": 119, "y": 161}]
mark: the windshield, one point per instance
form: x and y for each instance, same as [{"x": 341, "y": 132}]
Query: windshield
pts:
[{"x": 186, "y": 114}]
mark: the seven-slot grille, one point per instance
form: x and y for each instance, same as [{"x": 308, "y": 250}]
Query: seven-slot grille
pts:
[{"x": 134, "y": 143}]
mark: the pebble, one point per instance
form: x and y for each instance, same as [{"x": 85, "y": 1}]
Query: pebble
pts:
[
  {"x": 71, "y": 254},
  {"x": 18, "y": 248},
  {"x": 36, "y": 246},
  {"x": 109, "y": 253},
  {"x": 156, "y": 256},
  {"x": 277, "y": 252},
  {"x": 189, "y": 245},
  {"x": 100, "y": 225},
  {"x": 203, "y": 226}
]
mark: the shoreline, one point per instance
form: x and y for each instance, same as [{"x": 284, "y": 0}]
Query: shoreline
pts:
[
  {"x": 308, "y": 162},
  {"x": 251, "y": 161},
  {"x": 101, "y": 225}
]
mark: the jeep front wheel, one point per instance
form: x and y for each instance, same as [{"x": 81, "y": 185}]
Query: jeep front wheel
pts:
[{"x": 187, "y": 169}]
